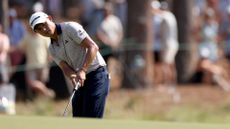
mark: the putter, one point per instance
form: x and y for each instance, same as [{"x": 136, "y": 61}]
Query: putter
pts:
[{"x": 77, "y": 85}]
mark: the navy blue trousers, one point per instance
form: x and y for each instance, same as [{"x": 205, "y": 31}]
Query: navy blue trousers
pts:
[{"x": 89, "y": 100}]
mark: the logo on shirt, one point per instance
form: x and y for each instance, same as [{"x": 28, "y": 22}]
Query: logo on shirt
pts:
[
  {"x": 66, "y": 41},
  {"x": 80, "y": 32}
]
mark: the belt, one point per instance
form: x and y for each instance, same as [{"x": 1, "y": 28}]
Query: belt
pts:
[
  {"x": 102, "y": 69},
  {"x": 99, "y": 69}
]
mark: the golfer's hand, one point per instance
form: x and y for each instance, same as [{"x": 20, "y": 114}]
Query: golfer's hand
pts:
[
  {"x": 81, "y": 76},
  {"x": 73, "y": 78}
]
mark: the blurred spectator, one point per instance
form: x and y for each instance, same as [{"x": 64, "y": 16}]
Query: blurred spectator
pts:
[
  {"x": 223, "y": 8},
  {"x": 35, "y": 48},
  {"x": 16, "y": 32},
  {"x": 4, "y": 49},
  {"x": 92, "y": 15},
  {"x": 7, "y": 97},
  {"x": 209, "y": 34},
  {"x": 110, "y": 32},
  {"x": 156, "y": 22},
  {"x": 214, "y": 5},
  {"x": 120, "y": 10},
  {"x": 55, "y": 7},
  {"x": 169, "y": 42},
  {"x": 208, "y": 50},
  {"x": 38, "y": 7},
  {"x": 225, "y": 34},
  {"x": 7, "y": 91}
]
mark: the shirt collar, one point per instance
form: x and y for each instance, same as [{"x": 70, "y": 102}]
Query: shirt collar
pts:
[{"x": 59, "y": 31}]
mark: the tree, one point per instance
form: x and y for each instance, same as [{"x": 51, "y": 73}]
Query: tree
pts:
[
  {"x": 183, "y": 12},
  {"x": 138, "y": 61},
  {"x": 3, "y": 13}
]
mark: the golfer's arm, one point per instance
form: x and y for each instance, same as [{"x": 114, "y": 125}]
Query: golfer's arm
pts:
[
  {"x": 92, "y": 50},
  {"x": 67, "y": 70}
]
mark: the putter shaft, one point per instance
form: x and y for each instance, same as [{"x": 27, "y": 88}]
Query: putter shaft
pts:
[{"x": 71, "y": 97}]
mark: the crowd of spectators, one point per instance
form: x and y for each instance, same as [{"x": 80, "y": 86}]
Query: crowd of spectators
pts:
[
  {"x": 105, "y": 20},
  {"x": 209, "y": 33}
]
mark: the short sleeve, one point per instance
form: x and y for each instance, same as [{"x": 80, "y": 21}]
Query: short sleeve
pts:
[
  {"x": 76, "y": 32},
  {"x": 56, "y": 60}
]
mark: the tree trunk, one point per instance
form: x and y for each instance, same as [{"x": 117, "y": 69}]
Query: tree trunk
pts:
[
  {"x": 183, "y": 13},
  {"x": 3, "y": 14},
  {"x": 138, "y": 69}
]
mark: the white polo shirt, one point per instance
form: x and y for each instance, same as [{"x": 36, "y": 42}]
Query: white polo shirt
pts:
[{"x": 68, "y": 49}]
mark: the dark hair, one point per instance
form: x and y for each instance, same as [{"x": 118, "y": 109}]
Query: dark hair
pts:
[{"x": 36, "y": 26}]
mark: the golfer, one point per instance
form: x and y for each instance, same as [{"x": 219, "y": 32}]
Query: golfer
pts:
[{"x": 78, "y": 57}]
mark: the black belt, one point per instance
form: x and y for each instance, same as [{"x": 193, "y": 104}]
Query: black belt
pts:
[{"x": 101, "y": 68}]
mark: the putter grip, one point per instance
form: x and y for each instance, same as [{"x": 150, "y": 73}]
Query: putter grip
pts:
[{"x": 76, "y": 85}]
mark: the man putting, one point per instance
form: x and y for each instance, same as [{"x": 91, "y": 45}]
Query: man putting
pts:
[{"x": 78, "y": 57}]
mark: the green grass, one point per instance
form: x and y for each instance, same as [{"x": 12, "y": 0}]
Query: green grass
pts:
[
  {"x": 132, "y": 111},
  {"x": 128, "y": 109},
  {"x": 32, "y": 122},
  {"x": 136, "y": 107}
]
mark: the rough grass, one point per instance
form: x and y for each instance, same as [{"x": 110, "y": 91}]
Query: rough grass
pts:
[{"x": 197, "y": 104}]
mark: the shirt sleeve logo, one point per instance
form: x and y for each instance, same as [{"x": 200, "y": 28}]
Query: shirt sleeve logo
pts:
[
  {"x": 80, "y": 32},
  {"x": 66, "y": 41}
]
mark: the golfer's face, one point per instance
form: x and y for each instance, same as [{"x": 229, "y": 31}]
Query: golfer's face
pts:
[{"x": 43, "y": 29}]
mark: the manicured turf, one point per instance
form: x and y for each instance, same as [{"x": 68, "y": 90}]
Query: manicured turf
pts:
[{"x": 34, "y": 122}]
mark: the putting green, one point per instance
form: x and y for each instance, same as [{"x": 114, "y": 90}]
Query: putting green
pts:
[{"x": 35, "y": 122}]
